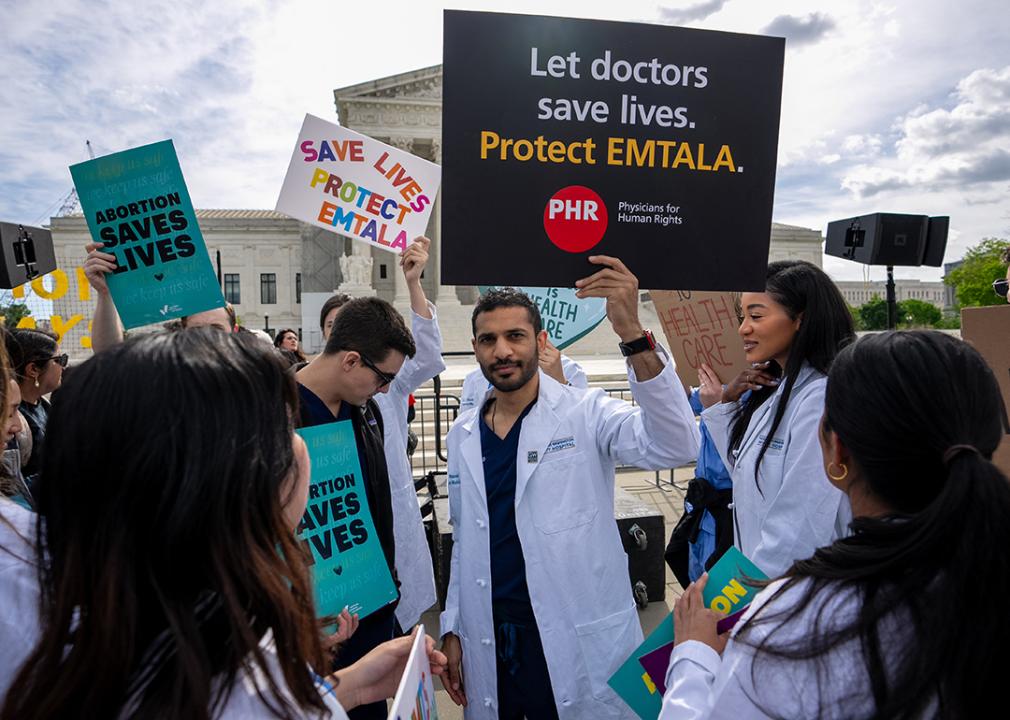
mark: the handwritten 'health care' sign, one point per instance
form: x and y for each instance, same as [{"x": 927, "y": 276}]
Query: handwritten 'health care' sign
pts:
[
  {"x": 136, "y": 203},
  {"x": 566, "y": 318},
  {"x": 348, "y": 565},
  {"x": 350, "y": 184}
]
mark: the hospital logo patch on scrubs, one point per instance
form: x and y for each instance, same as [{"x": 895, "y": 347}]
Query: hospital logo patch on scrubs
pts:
[{"x": 531, "y": 456}]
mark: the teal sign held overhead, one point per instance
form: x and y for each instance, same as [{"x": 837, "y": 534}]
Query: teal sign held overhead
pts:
[
  {"x": 137, "y": 205},
  {"x": 566, "y": 318},
  {"x": 348, "y": 565}
]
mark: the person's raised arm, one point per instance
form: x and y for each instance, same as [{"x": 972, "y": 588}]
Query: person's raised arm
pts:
[
  {"x": 413, "y": 260},
  {"x": 106, "y": 329},
  {"x": 427, "y": 360},
  {"x": 619, "y": 286},
  {"x": 661, "y": 432}
]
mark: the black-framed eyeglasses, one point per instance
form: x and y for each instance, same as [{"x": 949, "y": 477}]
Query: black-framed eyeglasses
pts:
[
  {"x": 385, "y": 377},
  {"x": 61, "y": 360},
  {"x": 1001, "y": 286}
]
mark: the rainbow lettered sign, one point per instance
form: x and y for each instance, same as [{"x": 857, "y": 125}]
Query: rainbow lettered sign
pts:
[{"x": 350, "y": 184}]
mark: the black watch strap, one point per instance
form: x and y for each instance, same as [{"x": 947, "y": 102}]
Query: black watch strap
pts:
[{"x": 642, "y": 344}]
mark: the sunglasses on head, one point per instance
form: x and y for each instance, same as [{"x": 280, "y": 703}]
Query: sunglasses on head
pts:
[
  {"x": 385, "y": 377},
  {"x": 1001, "y": 286}
]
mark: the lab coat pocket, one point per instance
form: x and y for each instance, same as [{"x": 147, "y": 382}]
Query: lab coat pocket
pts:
[
  {"x": 562, "y": 494},
  {"x": 604, "y": 646}
]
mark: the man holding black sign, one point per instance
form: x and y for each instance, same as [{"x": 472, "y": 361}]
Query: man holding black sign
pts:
[{"x": 539, "y": 611}]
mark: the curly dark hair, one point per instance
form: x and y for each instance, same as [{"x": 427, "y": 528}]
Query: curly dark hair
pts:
[{"x": 506, "y": 297}]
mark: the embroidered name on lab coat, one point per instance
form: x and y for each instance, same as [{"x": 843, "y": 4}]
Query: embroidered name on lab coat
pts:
[
  {"x": 775, "y": 445},
  {"x": 567, "y": 443}
]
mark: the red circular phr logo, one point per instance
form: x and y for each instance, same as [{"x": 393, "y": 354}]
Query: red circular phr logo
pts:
[{"x": 575, "y": 218}]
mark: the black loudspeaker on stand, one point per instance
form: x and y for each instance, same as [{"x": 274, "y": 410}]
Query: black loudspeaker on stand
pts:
[
  {"x": 889, "y": 239},
  {"x": 25, "y": 253}
]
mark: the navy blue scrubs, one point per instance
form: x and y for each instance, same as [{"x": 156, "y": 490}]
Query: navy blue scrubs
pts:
[{"x": 524, "y": 683}]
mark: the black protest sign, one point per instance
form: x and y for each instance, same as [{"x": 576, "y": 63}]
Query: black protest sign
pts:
[{"x": 567, "y": 138}]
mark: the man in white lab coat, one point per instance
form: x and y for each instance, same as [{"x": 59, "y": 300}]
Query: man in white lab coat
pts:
[{"x": 539, "y": 611}]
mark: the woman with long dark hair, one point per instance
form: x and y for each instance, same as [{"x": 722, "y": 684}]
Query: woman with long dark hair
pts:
[
  {"x": 783, "y": 507},
  {"x": 286, "y": 341},
  {"x": 171, "y": 581},
  {"x": 38, "y": 365},
  {"x": 906, "y": 617}
]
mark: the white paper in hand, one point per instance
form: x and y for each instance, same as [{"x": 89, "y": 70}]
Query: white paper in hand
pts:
[{"x": 415, "y": 697}]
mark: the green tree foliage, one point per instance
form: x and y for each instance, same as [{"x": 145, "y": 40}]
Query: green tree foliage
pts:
[
  {"x": 918, "y": 313},
  {"x": 857, "y": 320},
  {"x": 873, "y": 314},
  {"x": 13, "y": 313},
  {"x": 911, "y": 313},
  {"x": 972, "y": 281}
]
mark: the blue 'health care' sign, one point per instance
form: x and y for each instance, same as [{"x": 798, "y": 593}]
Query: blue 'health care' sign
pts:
[
  {"x": 137, "y": 205},
  {"x": 565, "y": 317},
  {"x": 348, "y": 566}
]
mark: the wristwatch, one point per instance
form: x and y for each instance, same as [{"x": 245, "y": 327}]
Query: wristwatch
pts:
[{"x": 646, "y": 342}]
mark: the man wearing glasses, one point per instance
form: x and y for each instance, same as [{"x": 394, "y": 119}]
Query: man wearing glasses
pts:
[
  {"x": 367, "y": 346},
  {"x": 413, "y": 561}
]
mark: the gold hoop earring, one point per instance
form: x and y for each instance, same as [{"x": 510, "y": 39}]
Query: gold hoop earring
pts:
[{"x": 845, "y": 471}]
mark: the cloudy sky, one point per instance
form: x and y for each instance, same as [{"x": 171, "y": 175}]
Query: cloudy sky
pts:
[{"x": 899, "y": 106}]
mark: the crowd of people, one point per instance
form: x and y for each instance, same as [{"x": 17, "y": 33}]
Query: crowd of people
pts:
[{"x": 150, "y": 567}]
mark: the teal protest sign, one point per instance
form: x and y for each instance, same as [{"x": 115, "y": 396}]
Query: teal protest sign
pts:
[
  {"x": 136, "y": 203},
  {"x": 641, "y": 680},
  {"x": 566, "y": 318},
  {"x": 348, "y": 565}
]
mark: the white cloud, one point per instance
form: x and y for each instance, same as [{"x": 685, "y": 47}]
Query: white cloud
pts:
[
  {"x": 691, "y": 13},
  {"x": 941, "y": 148},
  {"x": 800, "y": 30}
]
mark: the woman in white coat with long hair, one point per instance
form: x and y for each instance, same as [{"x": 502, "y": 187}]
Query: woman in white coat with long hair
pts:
[
  {"x": 906, "y": 617},
  {"x": 783, "y": 506}
]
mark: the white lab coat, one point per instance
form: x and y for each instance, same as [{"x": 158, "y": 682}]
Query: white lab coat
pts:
[
  {"x": 700, "y": 684},
  {"x": 20, "y": 625},
  {"x": 413, "y": 560},
  {"x": 797, "y": 509},
  {"x": 475, "y": 385},
  {"x": 576, "y": 567}
]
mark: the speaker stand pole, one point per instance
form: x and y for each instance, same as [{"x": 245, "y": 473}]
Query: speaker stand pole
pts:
[{"x": 892, "y": 305}]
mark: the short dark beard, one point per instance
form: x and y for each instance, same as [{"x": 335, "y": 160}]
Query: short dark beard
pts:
[{"x": 527, "y": 369}]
